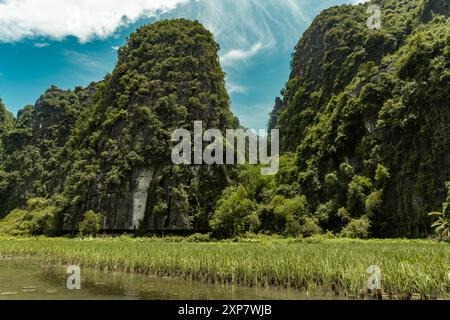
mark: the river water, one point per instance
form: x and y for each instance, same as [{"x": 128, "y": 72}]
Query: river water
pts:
[{"x": 23, "y": 279}]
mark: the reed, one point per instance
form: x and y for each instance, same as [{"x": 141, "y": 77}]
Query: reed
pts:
[{"x": 409, "y": 268}]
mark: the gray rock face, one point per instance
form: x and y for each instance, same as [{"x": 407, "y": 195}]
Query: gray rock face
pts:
[
  {"x": 167, "y": 77},
  {"x": 37, "y": 136},
  {"x": 140, "y": 194},
  {"x": 122, "y": 209},
  {"x": 107, "y": 148},
  {"x": 436, "y": 7}
]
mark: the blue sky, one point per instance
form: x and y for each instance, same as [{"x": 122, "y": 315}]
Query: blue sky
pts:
[{"x": 68, "y": 43}]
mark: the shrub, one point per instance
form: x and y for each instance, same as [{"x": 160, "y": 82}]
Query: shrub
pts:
[
  {"x": 325, "y": 211},
  {"x": 235, "y": 214},
  {"x": 331, "y": 183},
  {"x": 358, "y": 189},
  {"x": 346, "y": 170},
  {"x": 357, "y": 228},
  {"x": 446, "y": 204},
  {"x": 199, "y": 237},
  {"x": 292, "y": 227},
  {"x": 442, "y": 223},
  {"x": 381, "y": 174},
  {"x": 15, "y": 223},
  {"x": 310, "y": 227},
  {"x": 284, "y": 215},
  {"x": 37, "y": 219},
  {"x": 343, "y": 214},
  {"x": 91, "y": 223},
  {"x": 373, "y": 203}
]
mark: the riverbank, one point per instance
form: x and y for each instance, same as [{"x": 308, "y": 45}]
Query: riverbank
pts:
[{"x": 418, "y": 269}]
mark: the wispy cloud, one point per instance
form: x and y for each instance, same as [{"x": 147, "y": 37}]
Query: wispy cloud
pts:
[
  {"x": 239, "y": 26},
  {"x": 230, "y": 58},
  {"x": 253, "y": 115},
  {"x": 88, "y": 63},
  {"x": 233, "y": 87},
  {"x": 41, "y": 44},
  {"x": 83, "y": 19}
]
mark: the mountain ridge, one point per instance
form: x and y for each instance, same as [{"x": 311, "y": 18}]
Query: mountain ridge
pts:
[
  {"x": 361, "y": 107},
  {"x": 364, "y": 125}
]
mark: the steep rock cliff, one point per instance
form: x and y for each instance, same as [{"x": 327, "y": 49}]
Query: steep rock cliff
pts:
[
  {"x": 32, "y": 145},
  {"x": 367, "y": 114},
  {"x": 119, "y": 157}
]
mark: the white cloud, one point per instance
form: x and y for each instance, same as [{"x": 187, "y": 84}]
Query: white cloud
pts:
[
  {"x": 41, "y": 44},
  {"x": 83, "y": 19},
  {"x": 90, "y": 63},
  {"x": 243, "y": 29},
  {"x": 253, "y": 115},
  {"x": 230, "y": 58},
  {"x": 247, "y": 25},
  {"x": 115, "y": 48},
  {"x": 233, "y": 87}
]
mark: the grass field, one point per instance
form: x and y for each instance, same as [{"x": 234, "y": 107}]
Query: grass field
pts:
[{"x": 408, "y": 267}]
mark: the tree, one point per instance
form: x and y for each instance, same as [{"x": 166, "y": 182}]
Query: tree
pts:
[
  {"x": 235, "y": 214},
  {"x": 373, "y": 203},
  {"x": 38, "y": 218},
  {"x": 381, "y": 175},
  {"x": 442, "y": 224},
  {"x": 91, "y": 223},
  {"x": 310, "y": 227},
  {"x": 357, "y": 228},
  {"x": 358, "y": 190}
]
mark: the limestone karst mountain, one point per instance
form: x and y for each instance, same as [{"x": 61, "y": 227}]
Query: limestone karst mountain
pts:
[
  {"x": 364, "y": 124},
  {"x": 107, "y": 147},
  {"x": 367, "y": 113}
]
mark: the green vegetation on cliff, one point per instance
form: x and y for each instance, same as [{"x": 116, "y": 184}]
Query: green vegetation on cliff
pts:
[
  {"x": 6, "y": 123},
  {"x": 33, "y": 144},
  {"x": 107, "y": 147},
  {"x": 366, "y": 113},
  {"x": 167, "y": 76},
  {"x": 6, "y": 119},
  {"x": 364, "y": 123}
]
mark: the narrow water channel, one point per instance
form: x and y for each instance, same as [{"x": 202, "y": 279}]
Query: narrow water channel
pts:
[{"x": 24, "y": 279}]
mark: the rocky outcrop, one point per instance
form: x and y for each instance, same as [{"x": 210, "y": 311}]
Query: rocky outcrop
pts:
[
  {"x": 119, "y": 160},
  {"x": 107, "y": 147},
  {"x": 364, "y": 104},
  {"x": 435, "y": 8},
  {"x": 6, "y": 119},
  {"x": 33, "y": 143}
]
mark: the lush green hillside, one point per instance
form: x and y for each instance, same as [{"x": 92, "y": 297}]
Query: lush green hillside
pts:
[
  {"x": 168, "y": 75},
  {"x": 108, "y": 147},
  {"x": 32, "y": 145},
  {"x": 364, "y": 121},
  {"x": 6, "y": 118},
  {"x": 367, "y": 114},
  {"x": 6, "y": 123}
]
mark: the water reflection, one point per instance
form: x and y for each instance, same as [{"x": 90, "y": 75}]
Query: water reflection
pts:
[{"x": 22, "y": 279}]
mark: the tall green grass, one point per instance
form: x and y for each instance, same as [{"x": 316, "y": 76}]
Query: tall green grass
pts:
[{"x": 408, "y": 267}]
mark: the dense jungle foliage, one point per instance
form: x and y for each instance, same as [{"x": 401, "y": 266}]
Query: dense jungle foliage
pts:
[
  {"x": 93, "y": 148},
  {"x": 366, "y": 114},
  {"x": 364, "y": 124}
]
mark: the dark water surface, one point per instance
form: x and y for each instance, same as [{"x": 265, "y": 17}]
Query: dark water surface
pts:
[{"x": 24, "y": 279}]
